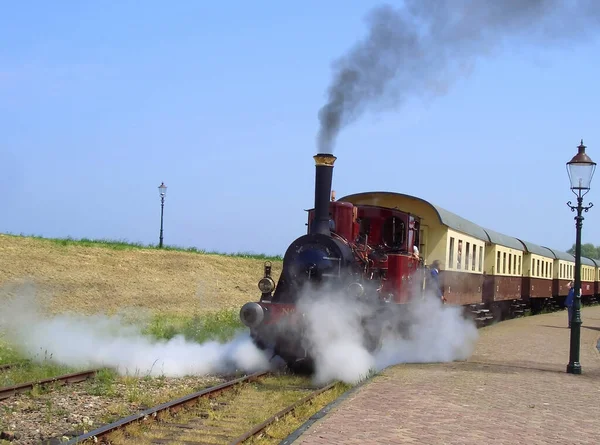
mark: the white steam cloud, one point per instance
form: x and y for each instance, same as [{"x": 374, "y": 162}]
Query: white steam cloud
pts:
[
  {"x": 101, "y": 341},
  {"x": 433, "y": 332}
]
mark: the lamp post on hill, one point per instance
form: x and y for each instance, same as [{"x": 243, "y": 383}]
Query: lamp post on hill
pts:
[
  {"x": 581, "y": 169},
  {"x": 162, "y": 189}
]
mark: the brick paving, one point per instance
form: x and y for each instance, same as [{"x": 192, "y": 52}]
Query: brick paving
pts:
[{"x": 513, "y": 390}]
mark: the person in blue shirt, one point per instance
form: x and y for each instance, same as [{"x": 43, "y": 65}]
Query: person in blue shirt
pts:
[
  {"x": 433, "y": 281},
  {"x": 331, "y": 223},
  {"x": 570, "y": 300}
]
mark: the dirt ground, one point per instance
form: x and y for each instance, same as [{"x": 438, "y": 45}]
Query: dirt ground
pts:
[{"x": 104, "y": 280}]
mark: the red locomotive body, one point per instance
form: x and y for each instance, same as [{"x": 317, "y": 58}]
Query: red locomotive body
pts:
[
  {"x": 383, "y": 242},
  {"x": 366, "y": 253}
]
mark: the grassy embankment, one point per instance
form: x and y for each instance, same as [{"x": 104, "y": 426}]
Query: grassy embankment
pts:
[{"x": 168, "y": 291}]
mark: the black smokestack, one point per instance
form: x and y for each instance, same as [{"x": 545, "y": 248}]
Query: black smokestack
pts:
[
  {"x": 323, "y": 176},
  {"x": 423, "y": 46}
]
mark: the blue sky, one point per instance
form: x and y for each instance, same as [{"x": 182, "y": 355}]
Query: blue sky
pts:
[{"x": 100, "y": 103}]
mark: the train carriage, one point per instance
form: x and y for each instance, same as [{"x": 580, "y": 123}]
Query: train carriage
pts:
[
  {"x": 597, "y": 280},
  {"x": 588, "y": 269},
  {"x": 563, "y": 271},
  {"x": 503, "y": 265},
  {"x": 457, "y": 243},
  {"x": 538, "y": 265}
]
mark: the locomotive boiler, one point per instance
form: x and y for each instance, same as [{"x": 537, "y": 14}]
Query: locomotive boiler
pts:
[{"x": 365, "y": 254}]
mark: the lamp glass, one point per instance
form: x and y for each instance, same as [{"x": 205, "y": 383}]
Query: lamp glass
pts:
[{"x": 580, "y": 175}]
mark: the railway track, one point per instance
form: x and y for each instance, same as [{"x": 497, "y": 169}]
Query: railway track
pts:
[
  {"x": 8, "y": 366},
  {"x": 230, "y": 413},
  {"x": 65, "y": 379}
]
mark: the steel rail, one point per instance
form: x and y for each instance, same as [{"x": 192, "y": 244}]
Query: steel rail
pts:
[
  {"x": 152, "y": 412},
  {"x": 8, "y": 366},
  {"x": 258, "y": 428},
  {"x": 9, "y": 391}
]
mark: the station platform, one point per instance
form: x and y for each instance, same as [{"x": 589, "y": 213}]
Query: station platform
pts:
[{"x": 513, "y": 390}]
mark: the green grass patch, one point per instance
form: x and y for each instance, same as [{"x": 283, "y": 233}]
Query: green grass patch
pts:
[
  {"x": 128, "y": 245},
  {"x": 103, "y": 383},
  {"x": 39, "y": 367},
  {"x": 220, "y": 326}
]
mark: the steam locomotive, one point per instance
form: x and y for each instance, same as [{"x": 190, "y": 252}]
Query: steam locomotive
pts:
[{"x": 362, "y": 252}]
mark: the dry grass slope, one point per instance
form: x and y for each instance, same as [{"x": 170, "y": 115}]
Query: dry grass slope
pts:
[{"x": 98, "y": 279}]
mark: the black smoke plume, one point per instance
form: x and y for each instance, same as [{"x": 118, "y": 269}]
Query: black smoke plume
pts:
[{"x": 420, "y": 47}]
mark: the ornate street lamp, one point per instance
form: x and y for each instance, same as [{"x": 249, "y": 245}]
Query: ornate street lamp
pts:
[
  {"x": 581, "y": 169},
  {"x": 162, "y": 189}
]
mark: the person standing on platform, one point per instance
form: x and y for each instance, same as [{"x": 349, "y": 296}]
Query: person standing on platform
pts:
[
  {"x": 433, "y": 281},
  {"x": 570, "y": 300}
]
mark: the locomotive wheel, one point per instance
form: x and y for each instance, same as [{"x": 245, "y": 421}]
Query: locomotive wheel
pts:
[
  {"x": 302, "y": 366},
  {"x": 260, "y": 344},
  {"x": 372, "y": 341}
]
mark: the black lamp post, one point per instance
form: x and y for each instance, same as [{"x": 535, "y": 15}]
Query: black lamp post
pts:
[
  {"x": 162, "y": 189},
  {"x": 581, "y": 169}
]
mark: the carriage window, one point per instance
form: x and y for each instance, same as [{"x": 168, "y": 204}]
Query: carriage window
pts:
[
  {"x": 498, "y": 264},
  {"x": 510, "y": 263},
  {"x": 451, "y": 252},
  {"x": 544, "y": 269},
  {"x": 474, "y": 255},
  {"x": 504, "y": 262},
  {"x": 394, "y": 232},
  {"x": 459, "y": 255},
  {"x": 480, "y": 258},
  {"x": 467, "y": 252},
  {"x": 519, "y": 266}
]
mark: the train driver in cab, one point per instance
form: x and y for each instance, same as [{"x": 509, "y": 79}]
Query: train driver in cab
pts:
[
  {"x": 415, "y": 253},
  {"x": 331, "y": 223}
]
